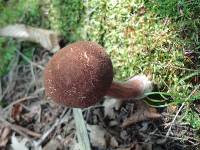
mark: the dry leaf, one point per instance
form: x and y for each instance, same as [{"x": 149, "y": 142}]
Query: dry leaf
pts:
[
  {"x": 16, "y": 112},
  {"x": 46, "y": 38},
  {"x": 113, "y": 142},
  {"x": 97, "y": 136},
  {"x": 109, "y": 105},
  {"x": 100, "y": 138},
  {"x": 143, "y": 112},
  {"x": 4, "y": 136},
  {"x": 171, "y": 109},
  {"x": 21, "y": 116},
  {"x": 71, "y": 143},
  {"x": 53, "y": 145}
]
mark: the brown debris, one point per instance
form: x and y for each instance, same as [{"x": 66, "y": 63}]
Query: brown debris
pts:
[
  {"x": 53, "y": 145},
  {"x": 143, "y": 112},
  {"x": 4, "y": 136},
  {"x": 16, "y": 112}
]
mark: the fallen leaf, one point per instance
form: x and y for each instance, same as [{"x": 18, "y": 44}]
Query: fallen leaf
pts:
[
  {"x": 97, "y": 136},
  {"x": 143, "y": 112},
  {"x": 113, "y": 142},
  {"x": 21, "y": 116},
  {"x": 171, "y": 109},
  {"x": 16, "y": 112},
  {"x": 113, "y": 123},
  {"x": 53, "y": 145},
  {"x": 109, "y": 105},
  {"x": 71, "y": 143},
  {"x": 46, "y": 38}
]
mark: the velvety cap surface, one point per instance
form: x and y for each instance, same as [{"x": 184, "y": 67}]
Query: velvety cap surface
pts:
[{"x": 78, "y": 75}]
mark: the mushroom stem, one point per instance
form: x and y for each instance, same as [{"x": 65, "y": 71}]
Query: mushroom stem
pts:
[
  {"x": 123, "y": 90},
  {"x": 134, "y": 88}
]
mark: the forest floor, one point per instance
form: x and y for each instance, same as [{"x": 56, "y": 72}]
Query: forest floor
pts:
[
  {"x": 29, "y": 120},
  {"x": 156, "y": 38}
]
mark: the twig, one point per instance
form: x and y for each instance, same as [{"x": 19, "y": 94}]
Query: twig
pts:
[
  {"x": 179, "y": 110},
  {"x": 13, "y": 127},
  {"x": 45, "y": 135},
  {"x": 18, "y": 101},
  {"x": 92, "y": 107},
  {"x": 174, "y": 119},
  {"x": 176, "y": 138},
  {"x": 32, "y": 73},
  {"x": 27, "y": 131},
  {"x": 40, "y": 90},
  {"x": 29, "y": 61},
  {"x": 21, "y": 130}
]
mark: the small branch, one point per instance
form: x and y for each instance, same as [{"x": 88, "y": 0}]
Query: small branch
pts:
[
  {"x": 179, "y": 110},
  {"x": 45, "y": 135},
  {"x": 174, "y": 119},
  {"x": 14, "y": 128},
  {"x": 29, "y": 61},
  {"x": 176, "y": 138},
  {"x": 27, "y": 131},
  {"x": 21, "y": 130},
  {"x": 17, "y": 101}
]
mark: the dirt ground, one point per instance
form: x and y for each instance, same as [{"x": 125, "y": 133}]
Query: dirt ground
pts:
[{"x": 30, "y": 121}]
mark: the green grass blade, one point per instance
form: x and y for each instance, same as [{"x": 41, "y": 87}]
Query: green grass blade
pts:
[{"x": 81, "y": 130}]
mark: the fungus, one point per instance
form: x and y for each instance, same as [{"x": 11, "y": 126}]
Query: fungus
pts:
[{"x": 80, "y": 74}]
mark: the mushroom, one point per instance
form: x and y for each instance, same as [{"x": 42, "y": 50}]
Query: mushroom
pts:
[{"x": 80, "y": 74}]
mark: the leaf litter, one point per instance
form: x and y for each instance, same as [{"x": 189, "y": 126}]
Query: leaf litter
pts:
[{"x": 31, "y": 121}]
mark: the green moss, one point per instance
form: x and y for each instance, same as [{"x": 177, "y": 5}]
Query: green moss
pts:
[
  {"x": 147, "y": 37},
  {"x": 66, "y": 17}
]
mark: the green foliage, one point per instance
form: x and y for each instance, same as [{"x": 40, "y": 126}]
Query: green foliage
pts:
[
  {"x": 3, "y": 103},
  {"x": 175, "y": 9},
  {"x": 193, "y": 118},
  {"x": 12, "y": 12},
  {"x": 7, "y": 51},
  {"x": 185, "y": 15},
  {"x": 19, "y": 11}
]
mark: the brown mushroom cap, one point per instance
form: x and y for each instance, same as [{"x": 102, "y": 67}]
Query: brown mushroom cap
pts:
[{"x": 78, "y": 75}]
